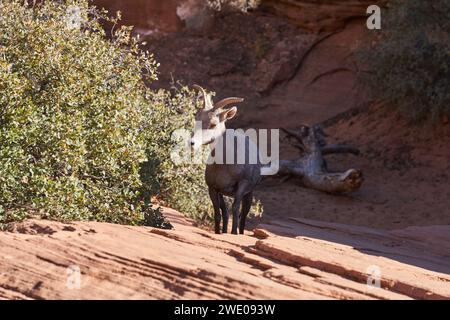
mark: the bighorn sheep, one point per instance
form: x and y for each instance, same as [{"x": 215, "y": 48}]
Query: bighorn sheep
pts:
[{"x": 234, "y": 180}]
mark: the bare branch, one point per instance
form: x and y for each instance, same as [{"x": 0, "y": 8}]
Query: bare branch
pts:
[
  {"x": 292, "y": 133},
  {"x": 311, "y": 167},
  {"x": 340, "y": 148}
]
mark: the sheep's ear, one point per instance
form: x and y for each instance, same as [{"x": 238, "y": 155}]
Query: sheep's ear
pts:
[{"x": 227, "y": 114}]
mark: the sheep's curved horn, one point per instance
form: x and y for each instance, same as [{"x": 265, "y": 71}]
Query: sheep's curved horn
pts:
[
  {"x": 207, "y": 103},
  {"x": 224, "y": 102}
]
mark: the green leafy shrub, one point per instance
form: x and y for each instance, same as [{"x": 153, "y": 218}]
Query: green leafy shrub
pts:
[
  {"x": 155, "y": 218},
  {"x": 408, "y": 61},
  {"x": 72, "y": 108},
  {"x": 181, "y": 186}
]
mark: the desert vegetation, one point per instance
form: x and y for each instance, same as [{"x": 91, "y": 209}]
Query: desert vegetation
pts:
[
  {"x": 81, "y": 135},
  {"x": 408, "y": 63},
  {"x": 242, "y": 5}
]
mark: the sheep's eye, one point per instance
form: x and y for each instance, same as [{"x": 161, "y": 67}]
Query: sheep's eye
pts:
[{"x": 212, "y": 125}]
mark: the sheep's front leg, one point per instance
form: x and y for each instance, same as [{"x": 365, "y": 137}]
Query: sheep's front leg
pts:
[
  {"x": 243, "y": 188},
  {"x": 214, "y": 195}
]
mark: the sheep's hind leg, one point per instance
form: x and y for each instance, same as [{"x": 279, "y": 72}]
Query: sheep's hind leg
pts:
[
  {"x": 244, "y": 187},
  {"x": 214, "y": 195},
  {"x": 225, "y": 215},
  {"x": 246, "y": 205}
]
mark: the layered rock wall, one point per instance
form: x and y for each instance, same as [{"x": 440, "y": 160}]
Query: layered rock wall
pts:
[{"x": 175, "y": 15}]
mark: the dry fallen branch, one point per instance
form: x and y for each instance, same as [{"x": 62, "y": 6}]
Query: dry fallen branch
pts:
[{"x": 311, "y": 167}]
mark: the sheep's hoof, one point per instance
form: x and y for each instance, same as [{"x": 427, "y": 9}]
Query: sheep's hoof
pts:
[{"x": 234, "y": 232}]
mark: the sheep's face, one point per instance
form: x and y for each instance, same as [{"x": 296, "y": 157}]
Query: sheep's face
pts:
[
  {"x": 210, "y": 119},
  {"x": 210, "y": 125}
]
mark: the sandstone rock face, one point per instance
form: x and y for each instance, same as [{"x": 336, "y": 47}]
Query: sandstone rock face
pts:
[
  {"x": 320, "y": 15},
  {"x": 145, "y": 15},
  {"x": 174, "y": 15},
  {"x": 278, "y": 67},
  {"x": 157, "y": 16},
  {"x": 299, "y": 259}
]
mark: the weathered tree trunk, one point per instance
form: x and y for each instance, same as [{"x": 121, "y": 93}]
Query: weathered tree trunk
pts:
[{"x": 311, "y": 167}]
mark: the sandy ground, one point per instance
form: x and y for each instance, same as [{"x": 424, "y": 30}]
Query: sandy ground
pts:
[{"x": 295, "y": 259}]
